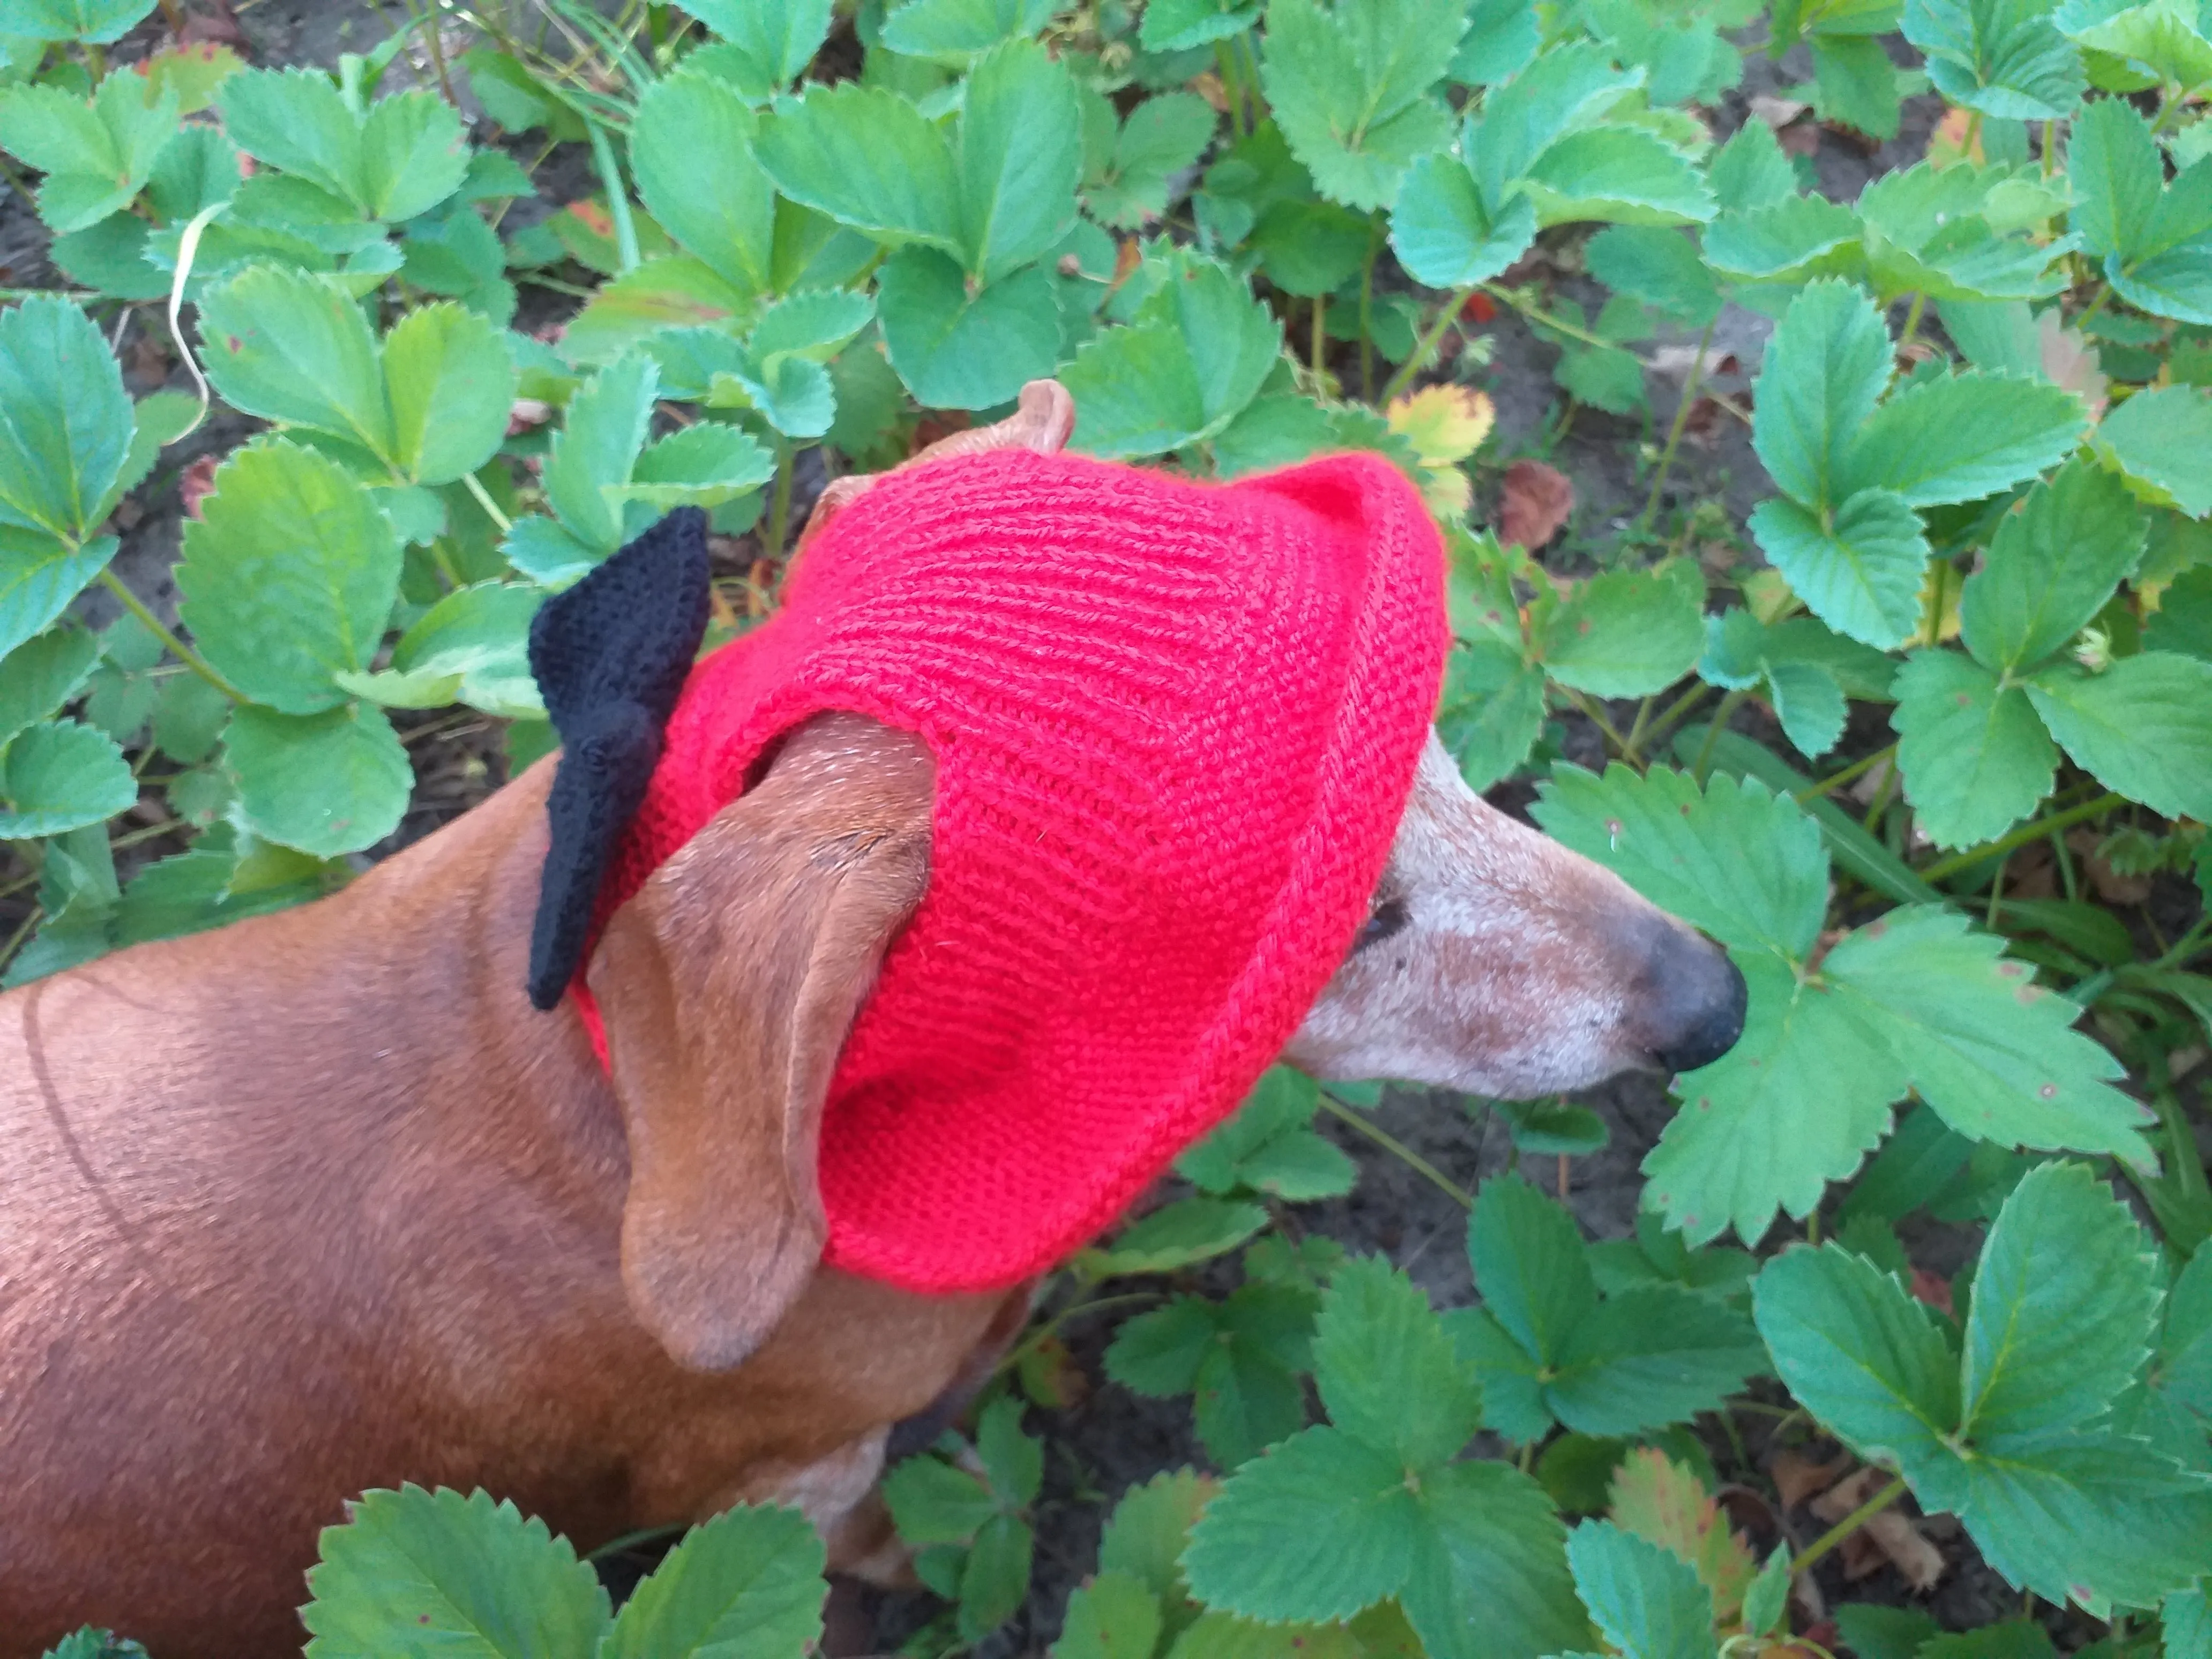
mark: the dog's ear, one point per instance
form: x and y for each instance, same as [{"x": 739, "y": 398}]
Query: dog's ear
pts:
[
  {"x": 610, "y": 656},
  {"x": 727, "y": 986}
]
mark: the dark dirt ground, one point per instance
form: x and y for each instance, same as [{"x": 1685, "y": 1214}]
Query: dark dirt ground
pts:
[{"x": 1112, "y": 1439}]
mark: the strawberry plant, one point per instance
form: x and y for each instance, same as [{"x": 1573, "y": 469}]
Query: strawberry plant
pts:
[{"x": 1911, "y": 712}]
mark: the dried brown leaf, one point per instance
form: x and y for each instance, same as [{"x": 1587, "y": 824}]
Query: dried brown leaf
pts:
[
  {"x": 1797, "y": 1478},
  {"x": 1537, "y": 501}
]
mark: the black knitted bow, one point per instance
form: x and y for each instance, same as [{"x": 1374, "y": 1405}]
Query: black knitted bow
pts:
[{"x": 610, "y": 656}]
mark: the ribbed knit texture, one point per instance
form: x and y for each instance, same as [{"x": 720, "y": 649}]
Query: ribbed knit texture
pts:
[{"x": 1175, "y": 725}]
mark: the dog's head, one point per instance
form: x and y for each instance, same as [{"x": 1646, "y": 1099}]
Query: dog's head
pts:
[{"x": 1492, "y": 959}]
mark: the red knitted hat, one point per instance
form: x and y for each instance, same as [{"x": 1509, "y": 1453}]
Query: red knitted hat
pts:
[{"x": 1175, "y": 726}]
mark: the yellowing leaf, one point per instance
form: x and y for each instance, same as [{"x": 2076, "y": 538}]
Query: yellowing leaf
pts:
[
  {"x": 1445, "y": 424},
  {"x": 1939, "y": 598},
  {"x": 1664, "y": 1502}
]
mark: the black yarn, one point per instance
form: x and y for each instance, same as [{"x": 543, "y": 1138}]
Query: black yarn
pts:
[{"x": 610, "y": 656}]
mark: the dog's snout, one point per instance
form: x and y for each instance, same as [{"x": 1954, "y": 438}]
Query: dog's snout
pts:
[{"x": 1698, "y": 1000}]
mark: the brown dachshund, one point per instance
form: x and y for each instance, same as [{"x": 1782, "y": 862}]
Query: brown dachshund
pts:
[{"x": 318, "y": 1202}]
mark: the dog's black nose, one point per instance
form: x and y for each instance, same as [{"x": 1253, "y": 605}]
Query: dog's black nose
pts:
[{"x": 1698, "y": 998}]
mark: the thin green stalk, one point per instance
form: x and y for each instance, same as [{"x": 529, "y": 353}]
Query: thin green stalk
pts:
[
  {"x": 780, "y": 504},
  {"x": 1997, "y": 894},
  {"x": 1674, "y": 432},
  {"x": 2050, "y": 148},
  {"x": 1320, "y": 335},
  {"x": 1367, "y": 313},
  {"x": 1636, "y": 728},
  {"x": 1837, "y": 779},
  {"x": 2022, "y": 836},
  {"x": 1425, "y": 347},
  {"x": 602, "y": 157},
  {"x": 22, "y": 932},
  {"x": 1399, "y": 1149},
  {"x": 1596, "y": 710},
  {"x": 1672, "y": 712},
  {"x": 2096, "y": 304},
  {"x": 1232, "y": 88},
  {"x": 1535, "y": 315},
  {"x": 474, "y": 485},
  {"x": 1039, "y": 1334},
  {"x": 1729, "y": 704},
  {"x": 1912, "y": 321},
  {"x": 151, "y": 623},
  {"x": 1849, "y": 1524}
]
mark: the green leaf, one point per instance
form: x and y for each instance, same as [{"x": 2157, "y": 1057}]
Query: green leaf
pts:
[
  {"x": 1387, "y": 1372},
  {"x": 1240, "y": 1358},
  {"x": 2142, "y": 728},
  {"x": 2064, "y": 1305},
  {"x": 2183, "y": 621},
  {"x": 96, "y": 154},
  {"x": 327, "y": 784},
  {"x": 933, "y": 1502},
  {"x": 1179, "y": 24},
  {"x": 1975, "y": 758},
  {"x": 38, "y": 580},
  {"x": 2112, "y": 166},
  {"x": 704, "y": 465},
  {"x": 2156, "y": 440},
  {"x": 1020, "y": 158},
  {"x": 1861, "y": 572},
  {"x": 2001, "y": 57},
  {"x": 1741, "y": 863},
  {"x": 65, "y": 430},
  {"x": 1825, "y": 370},
  {"x": 1529, "y": 1265},
  {"x": 996, "y": 1575},
  {"x": 1489, "y": 1577},
  {"x": 1162, "y": 136},
  {"x": 1855, "y": 82},
  {"x": 1446, "y": 235},
  {"x": 289, "y": 576},
  {"x": 400, "y": 158},
  {"x": 1491, "y": 712},
  {"x": 1646, "y": 1601},
  {"x": 1995, "y": 1054},
  {"x": 691, "y": 149},
  {"x": 2161, "y": 38},
  {"x": 2184, "y": 1361},
  {"x": 959, "y": 350},
  {"x": 779, "y": 38},
  {"x": 40, "y": 675},
  {"x": 1647, "y": 1357},
  {"x": 1625, "y": 633},
  {"x": 867, "y": 158},
  {"x": 1350, "y": 86},
  {"x": 410, "y": 1569},
  {"x": 1793, "y": 239},
  {"x": 749, "y": 1580},
  {"x": 1313, "y": 1529},
  {"x": 1879, "y": 1632},
  {"x": 595, "y": 450},
  {"x": 292, "y": 346},
  {"x": 1808, "y": 701},
  {"x": 1862, "y": 1355},
  {"x": 1750, "y": 172},
  {"x": 953, "y": 32},
  {"x": 97, "y": 20},
  {"x": 1656, "y": 264},
  {"x": 1197, "y": 353},
  {"x": 1959, "y": 437},
  {"x": 60, "y": 776},
  {"x": 1174, "y": 1235},
  {"x": 1268, "y": 1147},
  {"x": 1561, "y": 90},
  {"x": 1145, "y": 1535},
  {"x": 2050, "y": 568},
  {"x": 450, "y": 385},
  {"x": 1798, "y": 1103},
  {"x": 1616, "y": 172},
  {"x": 1112, "y": 1616}
]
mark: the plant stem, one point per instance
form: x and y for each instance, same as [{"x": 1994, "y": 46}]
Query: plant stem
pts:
[
  {"x": 1425, "y": 347},
  {"x": 2022, "y": 836},
  {"x": 475, "y": 487},
  {"x": 1545, "y": 319},
  {"x": 1367, "y": 314},
  {"x": 1596, "y": 711},
  {"x": 151, "y": 623},
  {"x": 1729, "y": 704},
  {"x": 22, "y": 932},
  {"x": 1232, "y": 90},
  {"x": 2050, "y": 148},
  {"x": 602, "y": 157},
  {"x": 1636, "y": 729},
  {"x": 1837, "y": 779},
  {"x": 779, "y": 502},
  {"x": 1398, "y": 1149},
  {"x": 1912, "y": 321},
  {"x": 1320, "y": 318},
  {"x": 2096, "y": 304},
  {"x": 1674, "y": 432},
  {"x": 1674, "y": 711},
  {"x": 1849, "y": 1524}
]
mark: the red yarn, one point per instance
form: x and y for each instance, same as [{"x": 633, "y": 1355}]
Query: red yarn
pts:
[{"x": 1175, "y": 725}]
